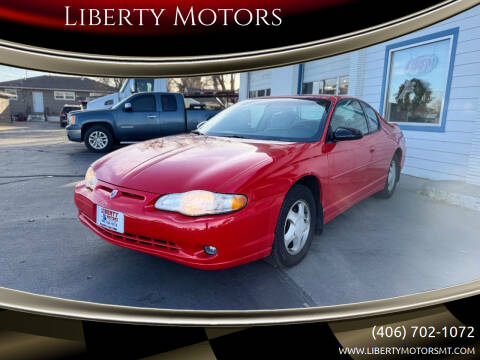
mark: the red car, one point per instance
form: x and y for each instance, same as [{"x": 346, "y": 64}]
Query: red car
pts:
[{"x": 255, "y": 180}]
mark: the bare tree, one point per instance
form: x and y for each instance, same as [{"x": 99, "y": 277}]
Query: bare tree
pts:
[
  {"x": 116, "y": 83},
  {"x": 224, "y": 82},
  {"x": 182, "y": 84}
]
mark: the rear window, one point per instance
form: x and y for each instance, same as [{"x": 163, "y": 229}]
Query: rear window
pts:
[
  {"x": 71, "y": 108},
  {"x": 169, "y": 103},
  {"x": 371, "y": 118}
]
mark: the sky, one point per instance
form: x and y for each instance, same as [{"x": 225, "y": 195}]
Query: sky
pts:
[{"x": 11, "y": 73}]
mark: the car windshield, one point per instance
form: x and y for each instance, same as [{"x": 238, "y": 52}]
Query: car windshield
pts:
[{"x": 300, "y": 120}]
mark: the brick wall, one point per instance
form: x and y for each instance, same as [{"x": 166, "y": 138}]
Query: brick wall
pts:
[{"x": 52, "y": 107}]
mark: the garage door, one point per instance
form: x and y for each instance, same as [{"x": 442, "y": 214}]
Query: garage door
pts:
[
  {"x": 327, "y": 76},
  {"x": 259, "y": 83}
]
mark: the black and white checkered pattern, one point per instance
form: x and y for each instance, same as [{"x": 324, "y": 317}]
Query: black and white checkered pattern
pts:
[{"x": 27, "y": 336}]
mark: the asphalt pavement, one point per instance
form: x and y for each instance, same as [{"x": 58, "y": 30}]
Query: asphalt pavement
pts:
[{"x": 377, "y": 249}]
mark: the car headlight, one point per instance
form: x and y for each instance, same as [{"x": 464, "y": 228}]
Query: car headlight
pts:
[
  {"x": 71, "y": 120},
  {"x": 90, "y": 179},
  {"x": 200, "y": 202}
]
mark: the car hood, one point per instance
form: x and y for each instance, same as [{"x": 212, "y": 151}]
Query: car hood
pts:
[
  {"x": 91, "y": 112},
  {"x": 188, "y": 162}
]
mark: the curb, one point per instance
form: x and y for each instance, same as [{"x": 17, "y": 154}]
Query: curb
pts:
[{"x": 453, "y": 198}]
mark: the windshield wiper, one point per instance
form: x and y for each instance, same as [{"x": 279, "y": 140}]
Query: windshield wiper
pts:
[
  {"x": 234, "y": 136},
  {"x": 196, "y": 132}
]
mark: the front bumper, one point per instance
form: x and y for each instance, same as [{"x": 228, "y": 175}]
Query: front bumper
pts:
[
  {"x": 73, "y": 133},
  {"x": 240, "y": 237}
]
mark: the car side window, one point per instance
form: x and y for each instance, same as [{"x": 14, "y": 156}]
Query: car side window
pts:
[
  {"x": 349, "y": 113},
  {"x": 372, "y": 118},
  {"x": 169, "y": 103},
  {"x": 143, "y": 103}
]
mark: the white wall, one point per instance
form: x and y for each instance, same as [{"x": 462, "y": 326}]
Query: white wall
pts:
[
  {"x": 261, "y": 79},
  {"x": 327, "y": 68},
  {"x": 285, "y": 80},
  {"x": 243, "y": 90},
  {"x": 473, "y": 174},
  {"x": 281, "y": 81}
]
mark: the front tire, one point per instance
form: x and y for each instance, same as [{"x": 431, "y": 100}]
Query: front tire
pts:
[
  {"x": 295, "y": 227},
  {"x": 99, "y": 139},
  {"x": 392, "y": 179}
]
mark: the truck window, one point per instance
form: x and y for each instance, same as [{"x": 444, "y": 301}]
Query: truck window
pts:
[
  {"x": 144, "y": 103},
  {"x": 169, "y": 103}
]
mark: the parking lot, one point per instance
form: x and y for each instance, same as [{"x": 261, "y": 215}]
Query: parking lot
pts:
[{"x": 377, "y": 249}]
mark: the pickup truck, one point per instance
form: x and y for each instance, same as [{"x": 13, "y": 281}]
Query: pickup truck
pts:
[
  {"x": 129, "y": 87},
  {"x": 141, "y": 116}
]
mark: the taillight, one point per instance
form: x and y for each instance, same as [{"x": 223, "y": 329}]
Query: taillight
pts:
[{"x": 63, "y": 114}]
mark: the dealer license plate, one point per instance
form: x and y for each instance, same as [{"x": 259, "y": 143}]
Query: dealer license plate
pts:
[{"x": 110, "y": 219}]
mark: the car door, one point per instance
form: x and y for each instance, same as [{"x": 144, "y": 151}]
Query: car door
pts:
[
  {"x": 379, "y": 147},
  {"x": 140, "y": 120},
  {"x": 172, "y": 116},
  {"x": 347, "y": 160}
]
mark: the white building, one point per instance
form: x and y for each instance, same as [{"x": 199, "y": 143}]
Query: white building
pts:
[{"x": 428, "y": 82}]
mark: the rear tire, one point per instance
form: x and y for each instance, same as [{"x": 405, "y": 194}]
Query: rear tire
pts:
[
  {"x": 392, "y": 179},
  {"x": 295, "y": 227},
  {"x": 99, "y": 139}
]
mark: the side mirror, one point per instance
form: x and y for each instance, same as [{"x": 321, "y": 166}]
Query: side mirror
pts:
[
  {"x": 127, "y": 107},
  {"x": 200, "y": 124},
  {"x": 344, "y": 133}
]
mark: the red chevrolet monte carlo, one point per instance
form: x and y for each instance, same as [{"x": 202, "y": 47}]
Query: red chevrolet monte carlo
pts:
[{"x": 255, "y": 180}]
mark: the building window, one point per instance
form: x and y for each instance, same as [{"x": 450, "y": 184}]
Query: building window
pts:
[
  {"x": 64, "y": 95},
  {"x": 307, "y": 88},
  {"x": 259, "y": 93},
  {"x": 328, "y": 86},
  {"x": 331, "y": 86},
  {"x": 343, "y": 85},
  {"x": 12, "y": 92},
  {"x": 417, "y": 81}
]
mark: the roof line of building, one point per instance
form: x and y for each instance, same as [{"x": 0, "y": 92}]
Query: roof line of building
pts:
[{"x": 62, "y": 89}]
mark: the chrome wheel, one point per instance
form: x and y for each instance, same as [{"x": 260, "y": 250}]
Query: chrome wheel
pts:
[
  {"x": 392, "y": 176},
  {"x": 98, "y": 140},
  {"x": 297, "y": 227}
]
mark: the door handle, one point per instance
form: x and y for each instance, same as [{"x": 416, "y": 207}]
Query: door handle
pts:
[{"x": 152, "y": 116}]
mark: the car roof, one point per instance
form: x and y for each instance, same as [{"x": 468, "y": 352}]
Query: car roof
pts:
[{"x": 333, "y": 98}]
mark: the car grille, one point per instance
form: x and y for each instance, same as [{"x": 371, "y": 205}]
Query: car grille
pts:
[
  {"x": 142, "y": 240},
  {"x": 130, "y": 195}
]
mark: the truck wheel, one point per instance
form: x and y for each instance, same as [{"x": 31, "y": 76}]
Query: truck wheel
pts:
[
  {"x": 99, "y": 139},
  {"x": 295, "y": 227}
]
